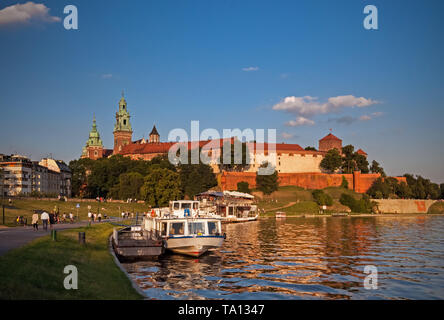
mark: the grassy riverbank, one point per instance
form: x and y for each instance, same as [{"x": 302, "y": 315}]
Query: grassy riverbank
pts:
[
  {"x": 35, "y": 271},
  {"x": 297, "y": 201},
  {"x": 25, "y": 207}
]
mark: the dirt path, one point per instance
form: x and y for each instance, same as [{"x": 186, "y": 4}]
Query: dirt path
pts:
[{"x": 283, "y": 207}]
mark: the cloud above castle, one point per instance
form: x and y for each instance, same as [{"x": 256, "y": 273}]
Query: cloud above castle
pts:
[
  {"x": 307, "y": 107},
  {"x": 24, "y": 13}
]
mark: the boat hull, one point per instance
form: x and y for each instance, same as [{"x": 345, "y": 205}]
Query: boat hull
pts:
[{"x": 194, "y": 246}]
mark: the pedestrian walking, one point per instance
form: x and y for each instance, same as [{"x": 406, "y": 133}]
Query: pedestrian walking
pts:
[
  {"x": 99, "y": 217},
  {"x": 89, "y": 216},
  {"x": 71, "y": 217},
  {"x": 52, "y": 220},
  {"x": 45, "y": 218},
  {"x": 35, "y": 221}
]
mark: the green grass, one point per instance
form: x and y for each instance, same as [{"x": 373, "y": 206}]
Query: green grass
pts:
[
  {"x": 302, "y": 207},
  {"x": 288, "y": 194},
  {"x": 35, "y": 271},
  {"x": 436, "y": 208},
  {"x": 25, "y": 207},
  {"x": 336, "y": 192}
]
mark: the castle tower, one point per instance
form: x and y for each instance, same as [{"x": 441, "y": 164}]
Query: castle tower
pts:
[
  {"x": 329, "y": 142},
  {"x": 154, "y": 136},
  {"x": 122, "y": 129},
  {"x": 94, "y": 146}
]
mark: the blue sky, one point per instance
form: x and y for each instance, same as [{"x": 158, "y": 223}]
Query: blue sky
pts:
[{"x": 228, "y": 64}]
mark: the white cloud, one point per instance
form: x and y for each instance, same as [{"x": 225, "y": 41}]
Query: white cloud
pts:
[
  {"x": 310, "y": 106},
  {"x": 107, "y": 76},
  {"x": 365, "y": 117},
  {"x": 286, "y": 135},
  {"x": 300, "y": 121},
  {"x": 250, "y": 69},
  {"x": 22, "y": 13}
]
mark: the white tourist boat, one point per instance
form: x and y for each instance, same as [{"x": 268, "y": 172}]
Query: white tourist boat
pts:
[
  {"x": 186, "y": 229},
  {"x": 230, "y": 206}
]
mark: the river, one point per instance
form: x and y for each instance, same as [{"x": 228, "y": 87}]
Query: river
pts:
[{"x": 307, "y": 258}]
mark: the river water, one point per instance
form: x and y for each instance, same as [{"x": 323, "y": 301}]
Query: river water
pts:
[{"x": 307, "y": 258}]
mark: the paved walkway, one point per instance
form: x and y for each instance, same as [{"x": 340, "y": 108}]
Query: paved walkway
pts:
[{"x": 15, "y": 237}]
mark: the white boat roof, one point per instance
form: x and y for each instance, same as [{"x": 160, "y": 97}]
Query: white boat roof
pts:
[{"x": 238, "y": 194}]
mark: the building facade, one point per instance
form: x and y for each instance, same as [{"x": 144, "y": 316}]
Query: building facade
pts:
[{"x": 21, "y": 176}]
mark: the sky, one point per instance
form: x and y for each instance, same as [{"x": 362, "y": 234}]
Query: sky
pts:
[{"x": 300, "y": 67}]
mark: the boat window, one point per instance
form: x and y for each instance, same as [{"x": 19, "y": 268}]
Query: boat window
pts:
[
  {"x": 212, "y": 228},
  {"x": 230, "y": 211},
  {"x": 176, "y": 228},
  {"x": 164, "y": 229},
  {"x": 195, "y": 205},
  {"x": 176, "y": 205},
  {"x": 186, "y": 205},
  {"x": 196, "y": 228}
]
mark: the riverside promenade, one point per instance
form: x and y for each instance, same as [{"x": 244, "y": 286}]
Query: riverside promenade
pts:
[{"x": 15, "y": 237}]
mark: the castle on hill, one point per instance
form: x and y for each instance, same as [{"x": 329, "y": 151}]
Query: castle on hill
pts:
[{"x": 288, "y": 158}]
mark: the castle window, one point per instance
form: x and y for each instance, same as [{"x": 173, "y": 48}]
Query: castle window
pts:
[{"x": 124, "y": 122}]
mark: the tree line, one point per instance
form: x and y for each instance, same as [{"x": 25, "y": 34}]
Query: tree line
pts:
[
  {"x": 348, "y": 162},
  {"x": 156, "y": 181}
]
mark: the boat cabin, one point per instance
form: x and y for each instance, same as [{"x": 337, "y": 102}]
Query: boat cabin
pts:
[
  {"x": 184, "y": 227},
  {"x": 184, "y": 208}
]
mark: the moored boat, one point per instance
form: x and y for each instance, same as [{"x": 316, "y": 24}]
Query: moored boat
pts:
[{"x": 185, "y": 228}]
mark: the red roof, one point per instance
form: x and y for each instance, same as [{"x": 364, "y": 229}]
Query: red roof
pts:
[
  {"x": 330, "y": 137},
  {"x": 164, "y": 147},
  {"x": 360, "y": 151}
]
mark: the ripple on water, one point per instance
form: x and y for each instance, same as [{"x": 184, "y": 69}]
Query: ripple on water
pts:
[{"x": 307, "y": 259}]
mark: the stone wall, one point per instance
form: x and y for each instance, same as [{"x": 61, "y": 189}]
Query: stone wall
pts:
[{"x": 404, "y": 205}]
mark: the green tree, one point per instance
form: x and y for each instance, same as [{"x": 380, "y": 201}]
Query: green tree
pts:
[
  {"x": 441, "y": 187},
  {"x": 361, "y": 162},
  {"x": 234, "y": 151},
  {"x": 196, "y": 178},
  {"x": 243, "y": 186},
  {"x": 161, "y": 186},
  {"x": 129, "y": 186},
  {"x": 310, "y": 149},
  {"x": 79, "y": 169},
  {"x": 376, "y": 168},
  {"x": 332, "y": 161},
  {"x": 267, "y": 183}
]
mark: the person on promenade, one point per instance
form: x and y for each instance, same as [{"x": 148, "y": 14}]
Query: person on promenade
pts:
[
  {"x": 89, "y": 217},
  {"x": 99, "y": 216},
  {"x": 71, "y": 217},
  {"x": 35, "y": 221},
  {"x": 64, "y": 217},
  {"x": 45, "y": 217},
  {"x": 52, "y": 219}
]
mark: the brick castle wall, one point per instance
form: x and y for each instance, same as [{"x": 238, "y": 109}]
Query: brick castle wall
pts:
[{"x": 357, "y": 181}]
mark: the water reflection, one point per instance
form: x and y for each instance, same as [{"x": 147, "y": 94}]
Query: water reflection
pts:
[{"x": 316, "y": 258}]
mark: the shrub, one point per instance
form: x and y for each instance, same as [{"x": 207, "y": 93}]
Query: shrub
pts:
[
  {"x": 322, "y": 198},
  {"x": 344, "y": 183},
  {"x": 243, "y": 186},
  {"x": 363, "y": 205}
]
